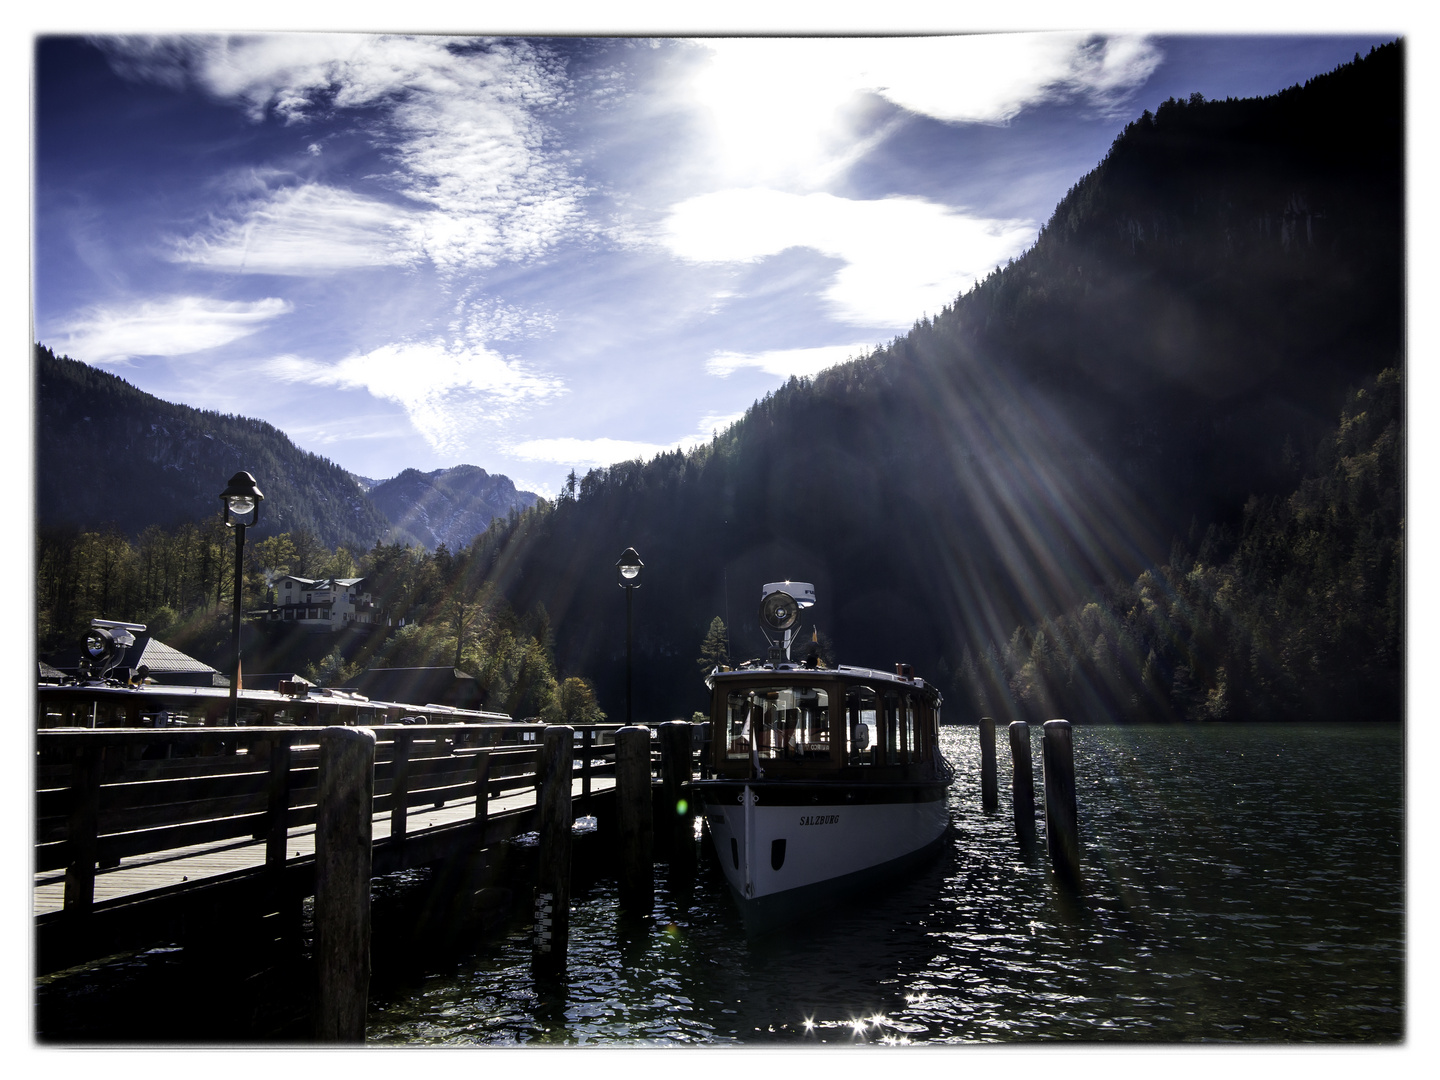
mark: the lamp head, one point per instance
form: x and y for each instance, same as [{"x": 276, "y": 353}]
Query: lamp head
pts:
[
  {"x": 241, "y": 500},
  {"x": 628, "y": 568}
]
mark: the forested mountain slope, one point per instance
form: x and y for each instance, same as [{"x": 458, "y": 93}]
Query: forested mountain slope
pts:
[
  {"x": 108, "y": 453},
  {"x": 1181, "y": 337}
]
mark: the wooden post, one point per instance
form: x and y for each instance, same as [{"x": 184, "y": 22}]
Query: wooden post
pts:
[
  {"x": 552, "y": 884},
  {"x": 84, "y": 829},
  {"x": 989, "y": 787},
  {"x": 635, "y": 819},
  {"x": 277, "y": 812},
  {"x": 1062, "y": 838},
  {"x": 400, "y": 792},
  {"x": 1022, "y": 785},
  {"x": 675, "y": 773},
  {"x": 482, "y": 797},
  {"x": 587, "y": 747},
  {"x": 704, "y": 730},
  {"x": 342, "y": 882}
]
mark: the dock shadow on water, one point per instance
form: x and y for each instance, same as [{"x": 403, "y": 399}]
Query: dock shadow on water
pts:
[{"x": 1238, "y": 884}]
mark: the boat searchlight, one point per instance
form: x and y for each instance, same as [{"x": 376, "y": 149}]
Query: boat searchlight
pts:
[{"x": 780, "y": 605}]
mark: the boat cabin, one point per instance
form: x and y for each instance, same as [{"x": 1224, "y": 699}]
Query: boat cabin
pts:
[{"x": 846, "y": 724}]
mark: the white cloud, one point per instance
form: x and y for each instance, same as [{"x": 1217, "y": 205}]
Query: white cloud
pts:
[
  {"x": 785, "y": 362},
  {"x": 782, "y": 108},
  {"x": 451, "y": 392},
  {"x": 903, "y": 256},
  {"x": 309, "y": 229},
  {"x": 172, "y": 327},
  {"x": 583, "y": 453},
  {"x": 458, "y": 117},
  {"x": 715, "y": 422},
  {"x": 596, "y": 453}
]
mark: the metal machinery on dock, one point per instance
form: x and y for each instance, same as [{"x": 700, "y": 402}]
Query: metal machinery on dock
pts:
[{"x": 105, "y": 695}]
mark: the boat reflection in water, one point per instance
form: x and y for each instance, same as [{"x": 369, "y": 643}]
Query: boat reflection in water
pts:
[{"x": 824, "y": 779}]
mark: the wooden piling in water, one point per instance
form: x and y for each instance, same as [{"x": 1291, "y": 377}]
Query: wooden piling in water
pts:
[
  {"x": 552, "y": 877},
  {"x": 1022, "y": 784},
  {"x": 989, "y": 787},
  {"x": 635, "y": 820},
  {"x": 342, "y": 882},
  {"x": 675, "y": 774},
  {"x": 1062, "y": 839}
]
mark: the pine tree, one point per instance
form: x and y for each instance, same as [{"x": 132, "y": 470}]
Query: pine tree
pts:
[{"x": 715, "y": 649}]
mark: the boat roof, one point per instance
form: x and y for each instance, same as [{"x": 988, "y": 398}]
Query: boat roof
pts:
[{"x": 799, "y": 673}]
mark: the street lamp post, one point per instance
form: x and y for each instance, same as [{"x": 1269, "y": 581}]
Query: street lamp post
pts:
[
  {"x": 628, "y": 568},
  {"x": 242, "y": 508}
]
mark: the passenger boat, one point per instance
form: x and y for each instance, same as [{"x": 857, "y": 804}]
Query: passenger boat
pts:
[{"x": 823, "y": 779}]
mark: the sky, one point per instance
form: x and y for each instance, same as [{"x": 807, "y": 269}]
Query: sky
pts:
[{"x": 539, "y": 254}]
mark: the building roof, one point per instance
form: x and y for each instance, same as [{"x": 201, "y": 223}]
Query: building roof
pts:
[
  {"x": 321, "y": 583},
  {"x": 420, "y": 686},
  {"x": 159, "y": 657}
]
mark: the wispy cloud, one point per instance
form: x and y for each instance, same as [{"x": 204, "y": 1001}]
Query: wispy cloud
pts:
[
  {"x": 451, "y": 392},
  {"x": 491, "y": 319},
  {"x": 170, "y": 327},
  {"x": 902, "y": 256},
  {"x": 303, "y": 230},
  {"x": 785, "y": 362},
  {"x": 459, "y": 118}
]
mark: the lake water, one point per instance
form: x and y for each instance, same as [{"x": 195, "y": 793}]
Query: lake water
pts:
[{"x": 1241, "y": 883}]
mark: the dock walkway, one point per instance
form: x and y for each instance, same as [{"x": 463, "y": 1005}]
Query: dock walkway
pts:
[{"x": 197, "y": 863}]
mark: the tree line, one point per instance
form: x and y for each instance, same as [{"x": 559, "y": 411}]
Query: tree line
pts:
[
  {"x": 436, "y": 609},
  {"x": 1298, "y": 612}
]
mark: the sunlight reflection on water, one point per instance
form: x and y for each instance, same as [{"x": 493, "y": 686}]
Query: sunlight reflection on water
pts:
[{"x": 1240, "y": 883}]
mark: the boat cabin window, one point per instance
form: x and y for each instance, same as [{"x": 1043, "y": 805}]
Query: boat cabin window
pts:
[
  {"x": 861, "y": 722},
  {"x": 902, "y": 734},
  {"x": 781, "y": 723},
  {"x": 884, "y": 728}
]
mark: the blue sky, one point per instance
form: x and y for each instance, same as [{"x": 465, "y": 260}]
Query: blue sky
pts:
[{"x": 538, "y": 254}]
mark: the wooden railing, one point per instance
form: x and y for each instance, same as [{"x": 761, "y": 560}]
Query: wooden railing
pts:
[{"x": 107, "y": 794}]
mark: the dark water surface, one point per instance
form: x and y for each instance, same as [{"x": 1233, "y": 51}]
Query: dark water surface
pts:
[{"x": 1241, "y": 883}]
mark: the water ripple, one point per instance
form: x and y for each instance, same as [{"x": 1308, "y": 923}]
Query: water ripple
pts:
[{"x": 1240, "y": 884}]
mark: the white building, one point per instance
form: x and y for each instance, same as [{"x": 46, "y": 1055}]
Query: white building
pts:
[{"x": 323, "y": 604}]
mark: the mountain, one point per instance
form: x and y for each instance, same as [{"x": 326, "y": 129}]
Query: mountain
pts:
[
  {"x": 108, "y": 453},
  {"x": 1179, "y": 340},
  {"x": 447, "y": 506}
]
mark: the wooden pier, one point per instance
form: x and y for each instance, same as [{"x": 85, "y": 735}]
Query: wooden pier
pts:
[{"x": 140, "y": 831}]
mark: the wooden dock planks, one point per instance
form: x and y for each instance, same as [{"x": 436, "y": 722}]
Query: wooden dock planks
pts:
[{"x": 165, "y": 870}]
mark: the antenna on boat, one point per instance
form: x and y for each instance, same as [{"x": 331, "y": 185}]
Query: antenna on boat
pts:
[{"x": 780, "y": 605}]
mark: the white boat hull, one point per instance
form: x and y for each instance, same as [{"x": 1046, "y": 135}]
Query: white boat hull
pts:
[{"x": 772, "y": 839}]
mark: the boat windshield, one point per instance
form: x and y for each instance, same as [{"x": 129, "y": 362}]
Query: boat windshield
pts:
[{"x": 781, "y": 723}]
